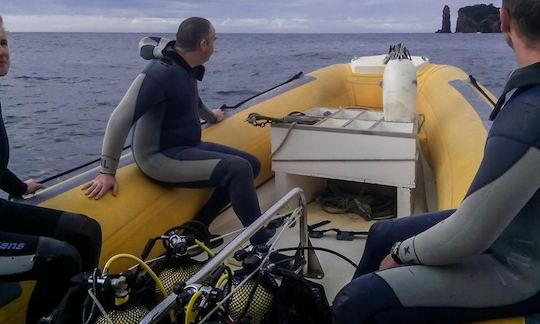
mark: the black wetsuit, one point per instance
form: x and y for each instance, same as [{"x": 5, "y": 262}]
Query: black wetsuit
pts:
[
  {"x": 42, "y": 244},
  {"x": 164, "y": 103},
  {"x": 478, "y": 262}
]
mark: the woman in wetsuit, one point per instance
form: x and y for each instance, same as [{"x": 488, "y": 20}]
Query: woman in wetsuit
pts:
[
  {"x": 482, "y": 260},
  {"x": 41, "y": 244}
]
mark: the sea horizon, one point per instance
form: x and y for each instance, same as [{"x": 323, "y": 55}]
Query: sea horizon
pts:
[{"x": 253, "y": 33}]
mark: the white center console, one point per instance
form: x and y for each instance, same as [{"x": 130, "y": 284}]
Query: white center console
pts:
[{"x": 347, "y": 144}]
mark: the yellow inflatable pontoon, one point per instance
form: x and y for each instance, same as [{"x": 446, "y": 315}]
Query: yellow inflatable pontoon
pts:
[{"x": 451, "y": 131}]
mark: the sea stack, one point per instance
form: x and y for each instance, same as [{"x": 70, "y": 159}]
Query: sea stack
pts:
[
  {"x": 478, "y": 19},
  {"x": 446, "y": 27}
]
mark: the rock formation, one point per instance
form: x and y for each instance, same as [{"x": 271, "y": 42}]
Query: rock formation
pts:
[
  {"x": 446, "y": 28},
  {"x": 478, "y": 18}
]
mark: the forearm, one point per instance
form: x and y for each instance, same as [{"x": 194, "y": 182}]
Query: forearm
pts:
[
  {"x": 118, "y": 128},
  {"x": 480, "y": 219},
  {"x": 11, "y": 184},
  {"x": 113, "y": 141},
  {"x": 206, "y": 113}
]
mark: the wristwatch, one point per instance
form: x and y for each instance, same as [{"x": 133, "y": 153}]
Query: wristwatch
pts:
[{"x": 394, "y": 253}]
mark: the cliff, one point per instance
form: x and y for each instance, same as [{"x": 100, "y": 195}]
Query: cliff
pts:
[
  {"x": 478, "y": 18},
  {"x": 446, "y": 28}
]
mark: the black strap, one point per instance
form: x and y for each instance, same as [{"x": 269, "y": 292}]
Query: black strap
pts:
[
  {"x": 294, "y": 77},
  {"x": 76, "y": 168},
  {"x": 520, "y": 78},
  {"x": 340, "y": 234},
  {"x": 477, "y": 86}
]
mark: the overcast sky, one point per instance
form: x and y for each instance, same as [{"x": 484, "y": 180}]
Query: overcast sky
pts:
[{"x": 232, "y": 16}]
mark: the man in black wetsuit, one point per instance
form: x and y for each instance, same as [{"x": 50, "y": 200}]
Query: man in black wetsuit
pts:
[
  {"x": 164, "y": 103},
  {"x": 482, "y": 260},
  {"x": 41, "y": 244}
]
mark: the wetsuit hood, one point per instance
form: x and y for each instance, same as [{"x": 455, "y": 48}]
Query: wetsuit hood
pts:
[{"x": 151, "y": 48}]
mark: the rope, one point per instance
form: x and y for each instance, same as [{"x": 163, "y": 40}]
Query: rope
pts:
[
  {"x": 94, "y": 288},
  {"x": 100, "y": 307},
  {"x": 369, "y": 206},
  {"x": 421, "y": 121},
  {"x": 280, "y": 146}
]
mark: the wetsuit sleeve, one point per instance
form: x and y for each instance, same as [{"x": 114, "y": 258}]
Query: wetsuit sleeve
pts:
[
  {"x": 4, "y": 145},
  {"x": 11, "y": 184},
  {"x": 143, "y": 94},
  {"x": 507, "y": 179},
  {"x": 206, "y": 113},
  {"x": 8, "y": 181}
]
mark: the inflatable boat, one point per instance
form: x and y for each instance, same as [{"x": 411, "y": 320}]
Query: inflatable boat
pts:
[{"x": 322, "y": 126}]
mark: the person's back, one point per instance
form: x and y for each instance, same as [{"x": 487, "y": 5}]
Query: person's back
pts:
[
  {"x": 519, "y": 245},
  {"x": 170, "y": 117}
]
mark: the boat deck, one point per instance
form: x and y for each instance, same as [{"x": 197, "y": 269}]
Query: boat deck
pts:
[{"x": 337, "y": 271}]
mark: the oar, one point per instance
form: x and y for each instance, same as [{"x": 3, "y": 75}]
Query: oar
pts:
[
  {"x": 75, "y": 168},
  {"x": 294, "y": 77}
]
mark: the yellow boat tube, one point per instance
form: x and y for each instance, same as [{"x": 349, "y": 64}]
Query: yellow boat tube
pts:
[{"x": 451, "y": 136}]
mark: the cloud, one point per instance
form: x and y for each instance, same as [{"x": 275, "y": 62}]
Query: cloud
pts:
[
  {"x": 295, "y": 16},
  {"x": 64, "y": 23}
]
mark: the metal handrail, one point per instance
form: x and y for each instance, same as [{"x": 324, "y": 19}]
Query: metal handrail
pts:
[{"x": 162, "y": 308}]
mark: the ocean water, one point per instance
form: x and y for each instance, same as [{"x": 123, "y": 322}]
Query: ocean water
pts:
[{"x": 62, "y": 87}]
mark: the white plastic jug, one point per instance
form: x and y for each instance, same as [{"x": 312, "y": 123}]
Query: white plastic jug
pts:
[{"x": 399, "y": 91}]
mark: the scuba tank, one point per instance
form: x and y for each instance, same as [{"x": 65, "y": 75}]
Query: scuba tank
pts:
[
  {"x": 177, "y": 263},
  {"x": 117, "y": 298},
  {"x": 177, "y": 270},
  {"x": 248, "y": 300},
  {"x": 132, "y": 314},
  {"x": 253, "y": 300},
  {"x": 129, "y": 296}
]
